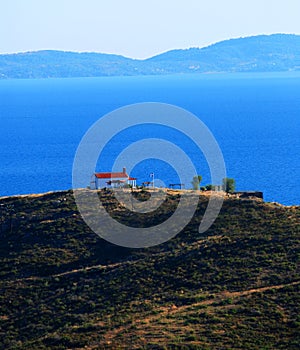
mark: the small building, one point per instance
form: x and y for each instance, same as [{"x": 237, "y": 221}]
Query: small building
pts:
[{"x": 112, "y": 179}]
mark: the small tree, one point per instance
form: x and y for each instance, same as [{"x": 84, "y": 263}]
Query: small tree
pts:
[
  {"x": 196, "y": 182},
  {"x": 229, "y": 185}
]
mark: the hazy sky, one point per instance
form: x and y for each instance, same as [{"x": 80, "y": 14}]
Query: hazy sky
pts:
[{"x": 138, "y": 28}]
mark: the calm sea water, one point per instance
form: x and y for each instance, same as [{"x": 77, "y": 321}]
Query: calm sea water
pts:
[{"x": 254, "y": 117}]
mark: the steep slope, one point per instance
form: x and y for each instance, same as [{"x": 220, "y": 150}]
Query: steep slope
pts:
[{"x": 63, "y": 287}]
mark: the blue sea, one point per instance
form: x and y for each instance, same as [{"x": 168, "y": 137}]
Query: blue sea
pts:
[{"x": 255, "y": 118}]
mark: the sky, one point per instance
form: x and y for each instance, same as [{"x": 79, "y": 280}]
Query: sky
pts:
[{"x": 138, "y": 28}]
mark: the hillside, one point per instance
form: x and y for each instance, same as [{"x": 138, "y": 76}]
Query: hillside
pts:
[
  {"x": 263, "y": 53},
  {"x": 62, "y": 287}
]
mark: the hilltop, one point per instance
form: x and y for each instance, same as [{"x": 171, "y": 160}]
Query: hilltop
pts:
[
  {"x": 63, "y": 287},
  {"x": 262, "y": 53}
]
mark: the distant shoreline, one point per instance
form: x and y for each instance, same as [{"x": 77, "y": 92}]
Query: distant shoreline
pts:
[{"x": 205, "y": 75}]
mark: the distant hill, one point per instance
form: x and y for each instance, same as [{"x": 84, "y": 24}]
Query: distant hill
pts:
[
  {"x": 62, "y": 287},
  {"x": 263, "y": 53}
]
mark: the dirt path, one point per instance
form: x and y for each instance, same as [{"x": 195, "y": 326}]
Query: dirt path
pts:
[
  {"x": 172, "y": 310},
  {"x": 66, "y": 273}
]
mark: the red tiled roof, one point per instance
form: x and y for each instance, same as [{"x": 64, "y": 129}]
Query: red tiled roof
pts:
[
  {"x": 111, "y": 175},
  {"x": 132, "y": 178}
]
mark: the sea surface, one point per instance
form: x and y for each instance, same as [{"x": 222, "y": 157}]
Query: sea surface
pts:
[{"x": 255, "y": 119}]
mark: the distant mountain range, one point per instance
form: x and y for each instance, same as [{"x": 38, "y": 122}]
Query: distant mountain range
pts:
[{"x": 263, "y": 53}]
